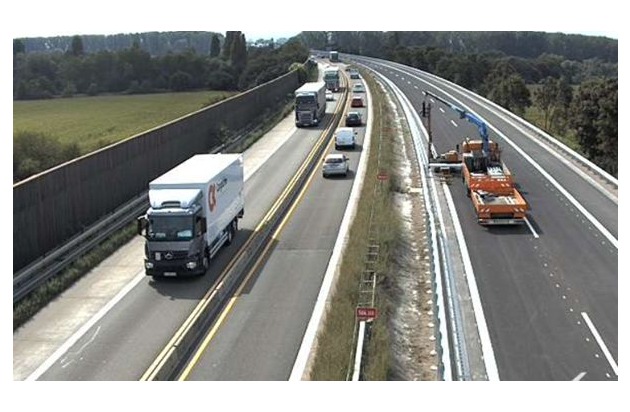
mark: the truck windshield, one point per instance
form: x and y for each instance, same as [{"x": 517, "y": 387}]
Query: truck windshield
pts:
[
  {"x": 304, "y": 100},
  {"x": 331, "y": 76},
  {"x": 170, "y": 228}
]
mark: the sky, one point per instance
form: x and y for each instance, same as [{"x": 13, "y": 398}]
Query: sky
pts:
[{"x": 264, "y": 19}]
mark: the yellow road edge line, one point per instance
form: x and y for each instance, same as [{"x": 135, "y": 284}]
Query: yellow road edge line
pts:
[
  {"x": 181, "y": 332},
  {"x": 202, "y": 348}
]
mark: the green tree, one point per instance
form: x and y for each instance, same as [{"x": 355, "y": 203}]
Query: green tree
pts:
[
  {"x": 226, "y": 54},
  {"x": 553, "y": 98},
  {"x": 18, "y": 47},
  {"x": 215, "y": 46},
  {"x": 594, "y": 115},
  {"x": 76, "y": 48},
  {"x": 36, "y": 152},
  {"x": 506, "y": 88},
  {"x": 239, "y": 53}
]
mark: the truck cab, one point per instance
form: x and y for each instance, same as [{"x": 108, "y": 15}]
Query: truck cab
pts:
[{"x": 194, "y": 211}]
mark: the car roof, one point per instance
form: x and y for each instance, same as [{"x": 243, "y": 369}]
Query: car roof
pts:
[
  {"x": 353, "y": 114},
  {"x": 335, "y": 156},
  {"x": 345, "y": 130}
]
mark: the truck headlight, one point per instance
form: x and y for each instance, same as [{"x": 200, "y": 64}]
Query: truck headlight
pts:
[
  {"x": 148, "y": 265},
  {"x": 191, "y": 265}
]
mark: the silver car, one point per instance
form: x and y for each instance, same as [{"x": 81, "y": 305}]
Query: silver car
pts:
[{"x": 335, "y": 164}]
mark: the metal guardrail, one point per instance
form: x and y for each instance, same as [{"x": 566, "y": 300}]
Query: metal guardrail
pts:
[
  {"x": 29, "y": 278},
  {"x": 169, "y": 363}
]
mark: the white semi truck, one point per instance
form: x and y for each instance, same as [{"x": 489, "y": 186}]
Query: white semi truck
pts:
[
  {"x": 194, "y": 211},
  {"x": 310, "y": 104},
  {"x": 332, "y": 78}
]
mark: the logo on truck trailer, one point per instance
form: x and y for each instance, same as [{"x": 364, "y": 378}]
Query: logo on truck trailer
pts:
[{"x": 212, "y": 197}]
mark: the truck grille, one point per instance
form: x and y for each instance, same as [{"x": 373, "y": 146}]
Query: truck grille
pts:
[{"x": 170, "y": 255}]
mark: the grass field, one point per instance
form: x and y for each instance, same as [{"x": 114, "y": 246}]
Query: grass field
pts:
[{"x": 93, "y": 122}]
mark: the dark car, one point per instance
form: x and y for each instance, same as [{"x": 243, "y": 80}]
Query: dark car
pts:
[
  {"x": 354, "y": 75},
  {"x": 353, "y": 119}
]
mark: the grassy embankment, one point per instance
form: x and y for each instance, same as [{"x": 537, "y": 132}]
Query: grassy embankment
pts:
[
  {"x": 93, "y": 122},
  {"x": 336, "y": 342}
]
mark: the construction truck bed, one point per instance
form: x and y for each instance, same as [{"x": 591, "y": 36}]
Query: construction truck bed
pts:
[{"x": 495, "y": 209}]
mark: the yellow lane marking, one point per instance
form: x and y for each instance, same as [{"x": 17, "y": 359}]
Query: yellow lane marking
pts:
[
  {"x": 163, "y": 356},
  {"x": 256, "y": 267}
]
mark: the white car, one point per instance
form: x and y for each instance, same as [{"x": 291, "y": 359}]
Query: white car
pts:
[
  {"x": 345, "y": 137},
  {"x": 335, "y": 164},
  {"x": 358, "y": 88},
  {"x": 329, "y": 95}
]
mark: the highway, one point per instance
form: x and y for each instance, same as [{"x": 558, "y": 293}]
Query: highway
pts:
[
  {"x": 126, "y": 340},
  {"x": 263, "y": 330},
  {"x": 547, "y": 290}
]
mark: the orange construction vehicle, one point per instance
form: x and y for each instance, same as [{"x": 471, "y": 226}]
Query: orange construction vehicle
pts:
[{"x": 489, "y": 183}]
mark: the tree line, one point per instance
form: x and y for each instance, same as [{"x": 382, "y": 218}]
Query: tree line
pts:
[
  {"x": 228, "y": 65},
  {"x": 573, "y": 99}
]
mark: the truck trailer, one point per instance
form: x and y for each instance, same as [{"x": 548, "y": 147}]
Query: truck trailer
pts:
[
  {"x": 310, "y": 104},
  {"x": 194, "y": 211}
]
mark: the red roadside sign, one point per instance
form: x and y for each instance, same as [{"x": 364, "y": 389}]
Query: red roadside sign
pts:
[
  {"x": 366, "y": 314},
  {"x": 382, "y": 176}
]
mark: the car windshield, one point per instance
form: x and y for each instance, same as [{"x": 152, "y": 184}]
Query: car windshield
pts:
[
  {"x": 353, "y": 116},
  {"x": 170, "y": 228}
]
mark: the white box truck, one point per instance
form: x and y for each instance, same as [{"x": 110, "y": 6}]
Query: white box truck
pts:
[
  {"x": 310, "y": 104},
  {"x": 194, "y": 210},
  {"x": 332, "y": 78}
]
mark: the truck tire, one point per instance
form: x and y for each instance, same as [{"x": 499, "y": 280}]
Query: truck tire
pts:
[
  {"x": 205, "y": 263},
  {"x": 231, "y": 232}
]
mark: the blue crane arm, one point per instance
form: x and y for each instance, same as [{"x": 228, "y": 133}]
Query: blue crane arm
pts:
[{"x": 463, "y": 114}]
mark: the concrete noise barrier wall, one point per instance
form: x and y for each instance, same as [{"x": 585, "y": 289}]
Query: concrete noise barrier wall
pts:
[{"x": 56, "y": 205}]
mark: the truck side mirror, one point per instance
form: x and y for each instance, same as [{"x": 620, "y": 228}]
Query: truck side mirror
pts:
[
  {"x": 141, "y": 225},
  {"x": 203, "y": 224}
]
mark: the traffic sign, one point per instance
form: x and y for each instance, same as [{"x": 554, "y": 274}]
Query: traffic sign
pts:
[{"x": 366, "y": 314}]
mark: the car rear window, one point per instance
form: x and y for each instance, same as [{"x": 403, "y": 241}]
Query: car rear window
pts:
[{"x": 334, "y": 160}]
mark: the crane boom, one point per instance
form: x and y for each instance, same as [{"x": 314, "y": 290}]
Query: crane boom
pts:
[
  {"x": 488, "y": 181},
  {"x": 463, "y": 114}
]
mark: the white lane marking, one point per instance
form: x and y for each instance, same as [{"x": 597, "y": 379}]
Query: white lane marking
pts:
[
  {"x": 442, "y": 110},
  {"x": 579, "y": 377},
  {"x": 482, "y": 99},
  {"x": 415, "y": 87},
  {"x": 65, "y": 362},
  {"x": 531, "y": 228},
  {"x": 303, "y": 358},
  {"x": 432, "y": 101},
  {"x": 83, "y": 329},
  {"x": 600, "y": 342},
  {"x": 453, "y": 123},
  {"x": 357, "y": 356},
  {"x": 542, "y": 171},
  {"x": 408, "y": 81},
  {"x": 486, "y": 344},
  {"x": 121, "y": 294},
  {"x": 484, "y": 335}
]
